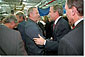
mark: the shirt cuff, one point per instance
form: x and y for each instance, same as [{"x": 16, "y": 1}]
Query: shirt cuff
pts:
[{"x": 44, "y": 42}]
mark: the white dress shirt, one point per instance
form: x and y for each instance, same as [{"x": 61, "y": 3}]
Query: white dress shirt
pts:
[
  {"x": 57, "y": 20},
  {"x": 78, "y": 21}
]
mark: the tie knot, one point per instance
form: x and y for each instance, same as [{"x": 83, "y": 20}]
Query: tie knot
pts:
[
  {"x": 73, "y": 27},
  {"x": 53, "y": 24}
]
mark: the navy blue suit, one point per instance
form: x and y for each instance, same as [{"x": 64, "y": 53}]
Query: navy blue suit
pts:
[
  {"x": 62, "y": 27},
  {"x": 21, "y": 29}
]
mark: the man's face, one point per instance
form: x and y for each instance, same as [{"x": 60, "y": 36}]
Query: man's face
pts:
[
  {"x": 52, "y": 14},
  {"x": 19, "y": 19},
  {"x": 13, "y": 24},
  {"x": 35, "y": 15},
  {"x": 69, "y": 13}
]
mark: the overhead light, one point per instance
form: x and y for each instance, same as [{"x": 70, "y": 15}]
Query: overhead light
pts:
[
  {"x": 0, "y": 0},
  {"x": 24, "y": 0},
  {"x": 0, "y": 7}
]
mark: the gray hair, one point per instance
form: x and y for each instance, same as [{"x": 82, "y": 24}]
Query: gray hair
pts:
[
  {"x": 9, "y": 19},
  {"x": 30, "y": 10},
  {"x": 78, "y": 4}
]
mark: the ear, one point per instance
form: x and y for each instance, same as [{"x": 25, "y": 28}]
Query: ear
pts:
[
  {"x": 56, "y": 12},
  {"x": 31, "y": 13},
  {"x": 21, "y": 17},
  {"x": 12, "y": 23},
  {"x": 74, "y": 11}
]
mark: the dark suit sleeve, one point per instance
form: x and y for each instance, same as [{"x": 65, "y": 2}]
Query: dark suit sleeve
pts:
[
  {"x": 51, "y": 45},
  {"x": 20, "y": 45},
  {"x": 66, "y": 48}
]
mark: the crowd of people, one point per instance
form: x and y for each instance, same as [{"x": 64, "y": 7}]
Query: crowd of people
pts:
[{"x": 55, "y": 36}]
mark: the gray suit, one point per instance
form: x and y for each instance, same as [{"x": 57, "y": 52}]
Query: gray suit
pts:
[
  {"x": 32, "y": 30},
  {"x": 72, "y": 43},
  {"x": 10, "y": 42}
]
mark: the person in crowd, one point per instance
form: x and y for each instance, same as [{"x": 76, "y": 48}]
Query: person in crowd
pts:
[
  {"x": 72, "y": 43},
  {"x": 49, "y": 27},
  {"x": 12, "y": 11},
  {"x": 1, "y": 19},
  {"x": 10, "y": 40},
  {"x": 41, "y": 24},
  {"x": 32, "y": 30},
  {"x": 49, "y": 31},
  {"x": 60, "y": 28},
  {"x": 21, "y": 26}
]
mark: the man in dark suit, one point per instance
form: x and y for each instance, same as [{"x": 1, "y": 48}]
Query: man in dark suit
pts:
[
  {"x": 72, "y": 43},
  {"x": 60, "y": 28},
  {"x": 21, "y": 26},
  {"x": 10, "y": 40},
  {"x": 32, "y": 30}
]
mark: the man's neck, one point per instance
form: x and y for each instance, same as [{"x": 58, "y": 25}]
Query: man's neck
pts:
[
  {"x": 7, "y": 25},
  {"x": 77, "y": 18},
  {"x": 32, "y": 19},
  {"x": 56, "y": 17}
]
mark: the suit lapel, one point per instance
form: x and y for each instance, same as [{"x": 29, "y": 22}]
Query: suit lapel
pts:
[{"x": 56, "y": 26}]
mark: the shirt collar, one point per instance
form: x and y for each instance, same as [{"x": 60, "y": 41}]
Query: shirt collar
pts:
[
  {"x": 78, "y": 21},
  {"x": 57, "y": 19}
]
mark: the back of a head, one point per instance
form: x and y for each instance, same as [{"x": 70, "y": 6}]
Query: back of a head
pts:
[
  {"x": 9, "y": 19},
  {"x": 78, "y": 4},
  {"x": 12, "y": 11},
  {"x": 58, "y": 8},
  {"x": 2, "y": 17}
]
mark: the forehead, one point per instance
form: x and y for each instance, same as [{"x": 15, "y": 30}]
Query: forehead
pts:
[{"x": 35, "y": 9}]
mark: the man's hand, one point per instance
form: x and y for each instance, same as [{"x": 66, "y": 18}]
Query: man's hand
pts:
[{"x": 39, "y": 41}]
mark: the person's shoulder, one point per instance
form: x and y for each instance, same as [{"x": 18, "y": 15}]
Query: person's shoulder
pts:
[
  {"x": 70, "y": 35},
  {"x": 63, "y": 20},
  {"x": 14, "y": 31}
]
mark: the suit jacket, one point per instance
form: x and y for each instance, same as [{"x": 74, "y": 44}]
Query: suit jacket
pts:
[
  {"x": 21, "y": 29},
  {"x": 32, "y": 30},
  {"x": 72, "y": 43},
  {"x": 62, "y": 27},
  {"x": 11, "y": 42}
]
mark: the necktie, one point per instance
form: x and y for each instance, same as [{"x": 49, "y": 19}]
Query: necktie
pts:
[
  {"x": 53, "y": 26},
  {"x": 73, "y": 27}
]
